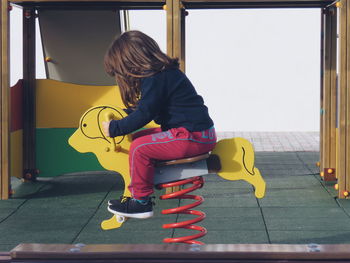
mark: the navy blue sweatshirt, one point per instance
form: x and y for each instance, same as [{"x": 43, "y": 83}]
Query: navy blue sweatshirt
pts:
[{"x": 168, "y": 98}]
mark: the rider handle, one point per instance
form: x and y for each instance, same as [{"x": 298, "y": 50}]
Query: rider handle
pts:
[{"x": 116, "y": 147}]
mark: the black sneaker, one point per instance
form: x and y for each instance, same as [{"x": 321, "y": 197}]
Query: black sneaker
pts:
[
  {"x": 116, "y": 201},
  {"x": 130, "y": 207}
]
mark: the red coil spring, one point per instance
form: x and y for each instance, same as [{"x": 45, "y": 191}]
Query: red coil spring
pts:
[{"x": 197, "y": 182}]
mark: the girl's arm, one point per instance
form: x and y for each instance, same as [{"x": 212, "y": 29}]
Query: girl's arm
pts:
[
  {"x": 150, "y": 103},
  {"x": 129, "y": 110}
]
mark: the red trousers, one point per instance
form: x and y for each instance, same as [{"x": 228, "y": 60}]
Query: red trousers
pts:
[{"x": 150, "y": 145}]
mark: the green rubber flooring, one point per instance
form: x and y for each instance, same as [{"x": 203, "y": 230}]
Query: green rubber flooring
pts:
[{"x": 298, "y": 208}]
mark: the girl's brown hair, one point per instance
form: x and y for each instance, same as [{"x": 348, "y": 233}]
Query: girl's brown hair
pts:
[{"x": 133, "y": 56}]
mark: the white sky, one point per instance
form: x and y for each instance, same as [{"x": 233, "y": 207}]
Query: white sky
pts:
[{"x": 257, "y": 70}]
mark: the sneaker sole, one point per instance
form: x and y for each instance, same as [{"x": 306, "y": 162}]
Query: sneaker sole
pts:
[{"x": 135, "y": 215}]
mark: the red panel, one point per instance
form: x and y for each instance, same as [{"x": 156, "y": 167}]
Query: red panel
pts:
[{"x": 16, "y": 106}]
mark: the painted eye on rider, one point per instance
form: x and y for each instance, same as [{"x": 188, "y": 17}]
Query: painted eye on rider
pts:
[{"x": 84, "y": 125}]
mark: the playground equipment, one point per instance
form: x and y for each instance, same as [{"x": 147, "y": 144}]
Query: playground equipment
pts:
[
  {"x": 236, "y": 157},
  {"x": 335, "y": 142},
  {"x": 36, "y": 105},
  {"x": 56, "y": 117}
]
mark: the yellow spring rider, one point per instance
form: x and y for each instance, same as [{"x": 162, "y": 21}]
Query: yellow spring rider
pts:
[{"x": 235, "y": 155}]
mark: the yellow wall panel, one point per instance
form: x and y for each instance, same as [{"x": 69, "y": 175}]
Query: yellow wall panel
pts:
[{"x": 60, "y": 105}]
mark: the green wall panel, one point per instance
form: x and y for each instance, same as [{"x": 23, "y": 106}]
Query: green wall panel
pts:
[{"x": 54, "y": 156}]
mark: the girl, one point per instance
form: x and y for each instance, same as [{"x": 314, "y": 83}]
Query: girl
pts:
[{"x": 153, "y": 88}]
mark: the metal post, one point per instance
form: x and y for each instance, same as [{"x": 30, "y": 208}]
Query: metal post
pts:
[
  {"x": 176, "y": 31},
  {"x": 329, "y": 95},
  {"x": 175, "y": 40},
  {"x": 5, "y": 102},
  {"x": 29, "y": 162},
  {"x": 343, "y": 157}
]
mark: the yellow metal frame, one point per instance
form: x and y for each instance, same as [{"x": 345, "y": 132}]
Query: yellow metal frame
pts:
[
  {"x": 343, "y": 145},
  {"x": 5, "y": 102},
  {"x": 328, "y": 93},
  {"x": 176, "y": 30}
]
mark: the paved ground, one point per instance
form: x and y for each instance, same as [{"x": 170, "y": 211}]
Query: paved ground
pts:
[
  {"x": 279, "y": 141},
  {"x": 297, "y": 208}
]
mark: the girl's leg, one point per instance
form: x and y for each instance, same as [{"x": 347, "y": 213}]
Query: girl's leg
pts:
[{"x": 176, "y": 143}]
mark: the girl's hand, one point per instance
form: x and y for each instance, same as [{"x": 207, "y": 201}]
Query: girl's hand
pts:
[{"x": 105, "y": 127}]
